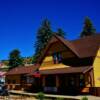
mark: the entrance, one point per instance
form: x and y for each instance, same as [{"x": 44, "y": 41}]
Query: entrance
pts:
[
  {"x": 50, "y": 84},
  {"x": 68, "y": 84},
  {"x": 36, "y": 85}
]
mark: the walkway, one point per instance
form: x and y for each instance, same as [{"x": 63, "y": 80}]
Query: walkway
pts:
[{"x": 90, "y": 97}]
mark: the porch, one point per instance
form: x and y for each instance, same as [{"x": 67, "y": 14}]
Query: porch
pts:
[{"x": 67, "y": 80}]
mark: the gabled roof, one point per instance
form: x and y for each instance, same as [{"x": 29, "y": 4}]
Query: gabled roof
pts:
[
  {"x": 22, "y": 70},
  {"x": 87, "y": 46},
  {"x": 84, "y": 47},
  {"x": 66, "y": 43}
]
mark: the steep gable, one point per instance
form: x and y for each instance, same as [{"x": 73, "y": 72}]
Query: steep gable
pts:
[
  {"x": 80, "y": 52},
  {"x": 57, "y": 44}
]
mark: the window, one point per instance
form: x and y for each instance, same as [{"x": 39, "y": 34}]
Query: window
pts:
[
  {"x": 30, "y": 80},
  {"x": 54, "y": 58},
  {"x": 57, "y": 58},
  {"x": 8, "y": 81},
  {"x": 82, "y": 83},
  {"x": 14, "y": 81},
  {"x": 50, "y": 81}
]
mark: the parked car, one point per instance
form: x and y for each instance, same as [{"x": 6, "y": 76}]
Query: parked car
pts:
[{"x": 3, "y": 90}]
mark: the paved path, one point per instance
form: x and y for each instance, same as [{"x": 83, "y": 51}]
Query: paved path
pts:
[{"x": 90, "y": 97}]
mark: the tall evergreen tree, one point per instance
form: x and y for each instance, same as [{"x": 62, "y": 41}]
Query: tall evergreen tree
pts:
[
  {"x": 88, "y": 28},
  {"x": 15, "y": 59},
  {"x": 43, "y": 35},
  {"x": 60, "y": 32}
]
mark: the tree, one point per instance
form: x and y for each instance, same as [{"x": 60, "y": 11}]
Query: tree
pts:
[
  {"x": 15, "y": 58},
  {"x": 5, "y": 62},
  {"x": 43, "y": 35},
  {"x": 88, "y": 28},
  {"x": 60, "y": 32},
  {"x": 27, "y": 60}
]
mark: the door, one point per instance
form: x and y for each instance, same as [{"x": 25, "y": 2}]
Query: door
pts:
[{"x": 68, "y": 84}]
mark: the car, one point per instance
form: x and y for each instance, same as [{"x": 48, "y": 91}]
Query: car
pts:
[{"x": 3, "y": 90}]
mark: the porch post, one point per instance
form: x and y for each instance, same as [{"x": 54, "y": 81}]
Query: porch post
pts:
[
  {"x": 57, "y": 81},
  {"x": 43, "y": 81},
  {"x": 77, "y": 80}
]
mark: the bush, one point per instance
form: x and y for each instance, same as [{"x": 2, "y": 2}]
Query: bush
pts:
[
  {"x": 84, "y": 98},
  {"x": 40, "y": 96},
  {"x": 60, "y": 98}
]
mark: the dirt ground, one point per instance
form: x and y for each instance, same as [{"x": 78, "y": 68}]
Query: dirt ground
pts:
[{"x": 16, "y": 97}]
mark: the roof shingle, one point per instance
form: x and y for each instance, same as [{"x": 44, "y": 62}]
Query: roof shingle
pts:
[{"x": 22, "y": 70}]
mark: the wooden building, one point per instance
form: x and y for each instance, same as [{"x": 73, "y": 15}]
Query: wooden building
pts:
[
  {"x": 17, "y": 78},
  {"x": 68, "y": 67}
]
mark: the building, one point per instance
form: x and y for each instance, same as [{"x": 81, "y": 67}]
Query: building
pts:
[
  {"x": 17, "y": 78},
  {"x": 3, "y": 70},
  {"x": 68, "y": 67}
]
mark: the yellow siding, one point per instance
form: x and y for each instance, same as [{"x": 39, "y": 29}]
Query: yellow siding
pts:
[
  {"x": 48, "y": 64},
  {"x": 54, "y": 66},
  {"x": 49, "y": 58},
  {"x": 47, "y": 61},
  {"x": 96, "y": 66}
]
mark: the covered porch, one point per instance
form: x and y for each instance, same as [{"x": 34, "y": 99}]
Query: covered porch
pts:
[{"x": 72, "y": 80}]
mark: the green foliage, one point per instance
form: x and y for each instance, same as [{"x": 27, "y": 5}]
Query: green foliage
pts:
[
  {"x": 43, "y": 35},
  {"x": 88, "y": 28},
  {"x": 60, "y": 32},
  {"x": 27, "y": 60},
  {"x": 5, "y": 62},
  {"x": 59, "y": 98},
  {"x": 41, "y": 96},
  {"x": 15, "y": 59},
  {"x": 84, "y": 98}
]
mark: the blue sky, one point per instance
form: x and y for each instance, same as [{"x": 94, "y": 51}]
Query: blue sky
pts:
[{"x": 20, "y": 20}]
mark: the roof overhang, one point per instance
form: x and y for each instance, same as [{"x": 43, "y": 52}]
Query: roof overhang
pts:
[{"x": 67, "y": 70}]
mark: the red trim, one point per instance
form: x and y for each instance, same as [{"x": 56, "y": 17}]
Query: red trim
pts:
[{"x": 36, "y": 75}]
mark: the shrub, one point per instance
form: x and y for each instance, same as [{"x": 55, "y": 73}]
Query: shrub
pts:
[
  {"x": 40, "y": 96},
  {"x": 59, "y": 98},
  {"x": 84, "y": 98}
]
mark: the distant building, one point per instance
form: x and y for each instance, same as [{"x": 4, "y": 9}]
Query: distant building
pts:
[
  {"x": 3, "y": 69},
  {"x": 64, "y": 67}
]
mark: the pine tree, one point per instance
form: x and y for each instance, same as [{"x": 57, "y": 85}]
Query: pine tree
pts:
[
  {"x": 15, "y": 59},
  {"x": 88, "y": 28},
  {"x": 43, "y": 35},
  {"x": 60, "y": 32}
]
